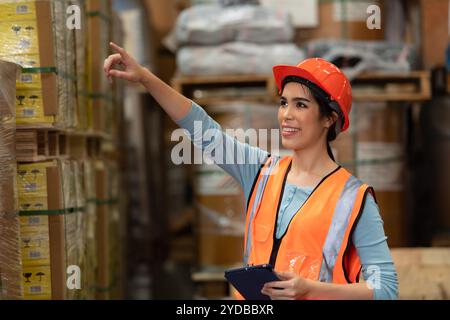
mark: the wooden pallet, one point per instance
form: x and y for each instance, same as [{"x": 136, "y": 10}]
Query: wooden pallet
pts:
[
  {"x": 207, "y": 90},
  {"x": 380, "y": 86},
  {"x": 41, "y": 144},
  {"x": 370, "y": 86}
]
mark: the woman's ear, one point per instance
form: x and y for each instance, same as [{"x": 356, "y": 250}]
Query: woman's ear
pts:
[{"x": 330, "y": 120}]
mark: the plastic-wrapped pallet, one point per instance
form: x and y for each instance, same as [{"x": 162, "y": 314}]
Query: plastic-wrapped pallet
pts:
[
  {"x": 357, "y": 56},
  {"x": 65, "y": 61},
  {"x": 81, "y": 67},
  {"x": 91, "y": 252},
  {"x": 214, "y": 24},
  {"x": 10, "y": 262},
  {"x": 236, "y": 58}
]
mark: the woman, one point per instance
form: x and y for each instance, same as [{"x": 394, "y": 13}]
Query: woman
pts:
[{"x": 316, "y": 223}]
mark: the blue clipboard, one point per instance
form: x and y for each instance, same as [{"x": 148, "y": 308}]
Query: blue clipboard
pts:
[{"x": 250, "y": 280}]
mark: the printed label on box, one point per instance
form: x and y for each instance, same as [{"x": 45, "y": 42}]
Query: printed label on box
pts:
[
  {"x": 17, "y": 10},
  {"x": 29, "y": 104},
  {"x": 37, "y": 282},
  {"x": 35, "y": 247},
  {"x": 19, "y": 37},
  {"x": 32, "y": 180},
  {"x": 29, "y": 81}
]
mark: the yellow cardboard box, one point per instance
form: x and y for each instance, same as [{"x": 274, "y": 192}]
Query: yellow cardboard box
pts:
[
  {"x": 30, "y": 107},
  {"x": 35, "y": 246},
  {"x": 19, "y": 37},
  {"x": 19, "y": 9},
  {"x": 27, "y": 38},
  {"x": 37, "y": 282},
  {"x": 32, "y": 180},
  {"x": 34, "y": 233}
]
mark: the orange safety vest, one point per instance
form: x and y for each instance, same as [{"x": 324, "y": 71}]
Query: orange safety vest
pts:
[{"x": 317, "y": 244}]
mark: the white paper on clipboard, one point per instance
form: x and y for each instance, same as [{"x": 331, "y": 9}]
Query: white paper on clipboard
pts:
[{"x": 304, "y": 13}]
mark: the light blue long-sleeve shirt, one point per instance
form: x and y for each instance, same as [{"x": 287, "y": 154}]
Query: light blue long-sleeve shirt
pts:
[{"x": 368, "y": 237}]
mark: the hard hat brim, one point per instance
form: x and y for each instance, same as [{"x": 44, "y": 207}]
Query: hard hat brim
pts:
[{"x": 280, "y": 72}]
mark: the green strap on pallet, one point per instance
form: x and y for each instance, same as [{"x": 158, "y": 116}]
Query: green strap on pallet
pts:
[
  {"x": 57, "y": 212},
  {"x": 96, "y": 95},
  {"x": 99, "y": 14},
  {"x": 54, "y": 70},
  {"x": 40, "y": 70}
]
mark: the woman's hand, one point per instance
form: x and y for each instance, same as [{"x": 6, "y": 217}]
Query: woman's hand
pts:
[
  {"x": 174, "y": 104},
  {"x": 291, "y": 287},
  {"x": 129, "y": 69}
]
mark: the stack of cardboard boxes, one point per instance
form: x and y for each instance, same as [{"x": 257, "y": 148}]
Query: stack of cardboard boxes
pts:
[
  {"x": 10, "y": 260},
  {"x": 68, "y": 241},
  {"x": 27, "y": 38},
  {"x": 42, "y": 230}
]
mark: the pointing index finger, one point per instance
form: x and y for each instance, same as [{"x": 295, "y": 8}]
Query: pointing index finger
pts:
[{"x": 118, "y": 49}]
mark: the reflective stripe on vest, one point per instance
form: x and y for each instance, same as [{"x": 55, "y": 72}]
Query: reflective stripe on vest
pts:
[
  {"x": 260, "y": 186},
  {"x": 318, "y": 236},
  {"x": 335, "y": 237}
]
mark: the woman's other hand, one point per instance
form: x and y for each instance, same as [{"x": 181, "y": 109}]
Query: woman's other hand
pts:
[{"x": 291, "y": 287}]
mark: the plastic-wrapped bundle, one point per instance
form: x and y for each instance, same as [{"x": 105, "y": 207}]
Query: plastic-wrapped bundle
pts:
[
  {"x": 214, "y": 24},
  {"x": 64, "y": 60},
  {"x": 10, "y": 256},
  {"x": 236, "y": 58},
  {"x": 358, "y": 56}
]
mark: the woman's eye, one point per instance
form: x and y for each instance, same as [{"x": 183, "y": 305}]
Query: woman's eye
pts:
[
  {"x": 301, "y": 105},
  {"x": 283, "y": 103}
]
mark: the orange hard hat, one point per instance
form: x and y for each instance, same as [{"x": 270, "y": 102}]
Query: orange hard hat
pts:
[{"x": 325, "y": 75}]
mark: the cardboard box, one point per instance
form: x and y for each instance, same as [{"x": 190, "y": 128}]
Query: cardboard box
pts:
[
  {"x": 423, "y": 273},
  {"x": 57, "y": 226},
  {"x": 18, "y": 10},
  {"x": 434, "y": 39},
  {"x": 35, "y": 242},
  {"x": 43, "y": 236},
  {"x": 98, "y": 25},
  {"x": 27, "y": 39},
  {"x": 37, "y": 282}
]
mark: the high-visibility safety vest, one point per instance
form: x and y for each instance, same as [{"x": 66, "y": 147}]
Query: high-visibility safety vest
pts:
[{"x": 317, "y": 243}]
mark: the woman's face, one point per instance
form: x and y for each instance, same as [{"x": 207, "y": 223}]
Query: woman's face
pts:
[{"x": 299, "y": 117}]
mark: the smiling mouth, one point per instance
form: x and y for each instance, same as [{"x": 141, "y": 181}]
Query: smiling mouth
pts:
[{"x": 289, "y": 131}]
